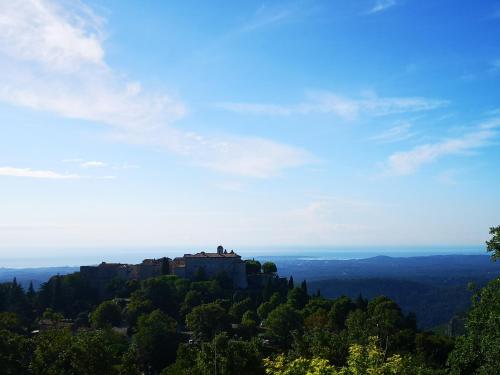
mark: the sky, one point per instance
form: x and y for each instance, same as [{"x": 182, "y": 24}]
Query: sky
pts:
[{"x": 193, "y": 123}]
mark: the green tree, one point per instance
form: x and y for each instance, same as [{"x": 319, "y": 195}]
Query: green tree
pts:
[
  {"x": 252, "y": 266},
  {"x": 185, "y": 362},
  {"x": 15, "y": 347},
  {"x": 339, "y": 311},
  {"x": 478, "y": 351},
  {"x": 269, "y": 267},
  {"x": 156, "y": 340},
  {"x": 239, "y": 308},
  {"x": 249, "y": 323},
  {"x": 118, "y": 288},
  {"x": 107, "y": 314},
  {"x": 384, "y": 319},
  {"x": 297, "y": 298},
  {"x": 88, "y": 352},
  {"x": 493, "y": 245},
  {"x": 31, "y": 294},
  {"x": 281, "y": 323},
  {"x": 265, "y": 308},
  {"x": 227, "y": 356},
  {"x": 363, "y": 359},
  {"x": 162, "y": 292},
  {"x": 208, "y": 319},
  {"x": 433, "y": 349}
]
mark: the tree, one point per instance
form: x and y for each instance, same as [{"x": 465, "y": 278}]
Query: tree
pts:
[
  {"x": 208, "y": 319},
  {"x": 118, "y": 287},
  {"x": 249, "y": 323},
  {"x": 107, "y": 314},
  {"x": 290, "y": 283},
  {"x": 477, "y": 352},
  {"x": 363, "y": 359},
  {"x": 265, "y": 308},
  {"x": 341, "y": 308},
  {"x": 298, "y": 366},
  {"x": 252, "y": 266},
  {"x": 223, "y": 356},
  {"x": 297, "y": 298},
  {"x": 384, "y": 319},
  {"x": 156, "y": 340},
  {"x": 322, "y": 343},
  {"x": 317, "y": 320},
  {"x": 238, "y": 309},
  {"x": 87, "y": 352},
  {"x": 162, "y": 292},
  {"x": 281, "y": 323},
  {"x": 433, "y": 349},
  {"x": 269, "y": 267},
  {"x": 303, "y": 286},
  {"x": 15, "y": 352},
  {"x": 31, "y": 294},
  {"x": 493, "y": 245}
]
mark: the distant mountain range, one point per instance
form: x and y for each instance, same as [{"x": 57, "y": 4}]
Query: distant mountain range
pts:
[
  {"x": 434, "y": 287},
  {"x": 37, "y": 275}
]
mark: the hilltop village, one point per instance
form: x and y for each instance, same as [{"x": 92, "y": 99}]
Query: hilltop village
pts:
[{"x": 188, "y": 266}]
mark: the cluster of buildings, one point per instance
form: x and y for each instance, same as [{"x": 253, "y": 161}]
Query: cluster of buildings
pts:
[{"x": 187, "y": 266}]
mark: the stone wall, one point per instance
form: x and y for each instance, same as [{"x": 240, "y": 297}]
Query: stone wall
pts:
[{"x": 234, "y": 267}]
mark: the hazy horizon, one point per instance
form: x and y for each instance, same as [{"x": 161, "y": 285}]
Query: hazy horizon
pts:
[{"x": 89, "y": 256}]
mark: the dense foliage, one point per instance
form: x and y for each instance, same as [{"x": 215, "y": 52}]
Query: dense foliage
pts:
[{"x": 168, "y": 325}]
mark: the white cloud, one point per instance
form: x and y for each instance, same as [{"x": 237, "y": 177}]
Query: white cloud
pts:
[
  {"x": 42, "y": 174},
  {"x": 253, "y": 157},
  {"x": 73, "y": 160},
  {"x": 242, "y": 156},
  {"x": 396, "y": 133},
  {"x": 381, "y": 5},
  {"x": 408, "y": 162},
  {"x": 343, "y": 107},
  {"x": 93, "y": 164},
  {"x": 42, "y": 31},
  {"x": 52, "y": 60}
]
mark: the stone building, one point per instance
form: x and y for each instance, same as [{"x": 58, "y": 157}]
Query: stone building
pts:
[
  {"x": 100, "y": 276},
  {"x": 187, "y": 267},
  {"x": 212, "y": 263}
]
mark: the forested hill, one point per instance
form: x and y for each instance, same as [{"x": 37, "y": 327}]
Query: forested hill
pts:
[
  {"x": 37, "y": 276},
  {"x": 447, "y": 269},
  {"x": 435, "y": 288},
  {"x": 433, "y": 304}
]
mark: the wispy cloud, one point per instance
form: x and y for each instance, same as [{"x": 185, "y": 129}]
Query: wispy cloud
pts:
[
  {"x": 93, "y": 164},
  {"x": 341, "y": 106},
  {"x": 382, "y": 5},
  {"x": 82, "y": 163},
  {"x": 268, "y": 16},
  {"x": 52, "y": 59},
  {"x": 396, "y": 133},
  {"x": 408, "y": 162},
  {"x": 31, "y": 173}
]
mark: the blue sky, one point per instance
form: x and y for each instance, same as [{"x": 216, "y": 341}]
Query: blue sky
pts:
[{"x": 325, "y": 123}]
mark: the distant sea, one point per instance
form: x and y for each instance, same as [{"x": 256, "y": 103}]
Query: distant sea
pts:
[{"x": 45, "y": 257}]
